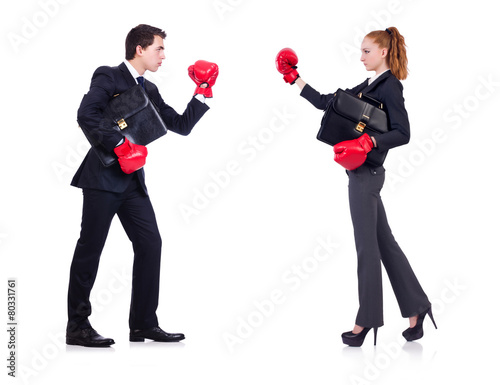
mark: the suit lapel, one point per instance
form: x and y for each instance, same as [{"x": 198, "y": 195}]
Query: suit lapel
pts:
[
  {"x": 131, "y": 82},
  {"x": 377, "y": 81},
  {"x": 127, "y": 75}
]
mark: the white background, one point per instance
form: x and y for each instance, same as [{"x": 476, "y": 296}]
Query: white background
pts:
[{"x": 257, "y": 236}]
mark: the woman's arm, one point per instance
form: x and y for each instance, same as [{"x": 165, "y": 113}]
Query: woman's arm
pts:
[
  {"x": 394, "y": 103},
  {"x": 318, "y": 100},
  {"x": 300, "y": 83}
]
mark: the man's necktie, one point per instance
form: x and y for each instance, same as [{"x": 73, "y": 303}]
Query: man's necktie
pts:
[{"x": 140, "y": 80}]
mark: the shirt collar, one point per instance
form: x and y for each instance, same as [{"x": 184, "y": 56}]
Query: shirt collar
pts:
[
  {"x": 372, "y": 79},
  {"x": 132, "y": 70}
]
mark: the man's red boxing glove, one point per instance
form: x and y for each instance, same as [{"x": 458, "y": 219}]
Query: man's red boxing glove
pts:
[
  {"x": 131, "y": 156},
  {"x": 286, "y": 63},
  {"x": 204, "y": 73},
  {"x": 351, "y": 154}
]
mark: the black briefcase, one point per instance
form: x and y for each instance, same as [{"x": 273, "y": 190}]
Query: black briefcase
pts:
[
  {"x": 133, "y": 114},
  {"x": 349, "y": 116}
]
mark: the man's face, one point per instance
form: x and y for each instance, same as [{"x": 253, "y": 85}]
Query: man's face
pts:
[{"x": 153, "y": 55}]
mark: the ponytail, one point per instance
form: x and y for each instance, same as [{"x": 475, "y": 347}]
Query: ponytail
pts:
[{"x": 395, "y": 43}]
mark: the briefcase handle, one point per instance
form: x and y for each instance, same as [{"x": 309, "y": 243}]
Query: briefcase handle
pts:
[{"x": 372, "y": 101}]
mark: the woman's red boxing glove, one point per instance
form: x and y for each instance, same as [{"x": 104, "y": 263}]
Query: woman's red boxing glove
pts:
[
  {"x": 351, "y": 154},
  {"x": 286, "y": 63}
]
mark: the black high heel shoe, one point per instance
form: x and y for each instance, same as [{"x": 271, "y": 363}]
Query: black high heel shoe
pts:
[
  {"x": 352, "y": 339},
  {"x": 417, "y": 332}
]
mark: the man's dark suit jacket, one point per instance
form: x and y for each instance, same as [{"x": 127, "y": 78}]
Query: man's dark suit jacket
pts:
[
  {"x": 107, "y": 82},
  {"x": 386, "y": 89}
]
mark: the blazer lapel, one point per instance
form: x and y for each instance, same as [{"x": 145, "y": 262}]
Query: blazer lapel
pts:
[
  {"x": 377, "y": 81},
  {"x": 127, "y": 75}
]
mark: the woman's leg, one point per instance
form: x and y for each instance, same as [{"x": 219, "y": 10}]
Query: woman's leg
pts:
[
  {"x": 410, "y": 296},
  {"x": 364, "y": 194}
]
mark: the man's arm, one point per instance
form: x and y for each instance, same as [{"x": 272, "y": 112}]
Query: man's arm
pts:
[
  {"x": 90, "y": 114},
  {"x": 181, "y": 124}
]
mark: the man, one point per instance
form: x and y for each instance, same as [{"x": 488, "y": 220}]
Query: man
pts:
[{"x": 120, "y": 189}]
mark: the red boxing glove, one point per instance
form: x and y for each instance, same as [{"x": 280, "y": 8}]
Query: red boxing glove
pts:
[
  {"x": 286, "y": 63},
  {"x": 131, "y": 156},
  {"x": 351, "y": 154},
  {"x": 204, "y": 73}
]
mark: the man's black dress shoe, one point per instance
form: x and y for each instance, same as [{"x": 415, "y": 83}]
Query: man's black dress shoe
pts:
[
  {"x": 155, "y": 334},
  {"x": 88, "y": 337}
]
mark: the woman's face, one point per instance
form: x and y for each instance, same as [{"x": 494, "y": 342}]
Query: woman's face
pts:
[{"x": 373, "y": 57}]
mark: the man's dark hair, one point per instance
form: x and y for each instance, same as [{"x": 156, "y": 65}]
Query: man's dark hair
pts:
[{"x": 143, "y": 35}]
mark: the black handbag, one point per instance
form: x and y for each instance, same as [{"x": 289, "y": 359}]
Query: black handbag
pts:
[
  {"x": 348, "y": 116},
  {"x": 133, "y": 114}
]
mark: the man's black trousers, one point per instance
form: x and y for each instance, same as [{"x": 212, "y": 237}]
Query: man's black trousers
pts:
[{"x": 136, "y": 214}]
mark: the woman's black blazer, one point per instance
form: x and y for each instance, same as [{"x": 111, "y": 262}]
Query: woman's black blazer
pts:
[{"x": 388, "y": 90}]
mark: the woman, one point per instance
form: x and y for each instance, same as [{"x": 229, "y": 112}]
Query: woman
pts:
[{"x": 385, "y": 53}]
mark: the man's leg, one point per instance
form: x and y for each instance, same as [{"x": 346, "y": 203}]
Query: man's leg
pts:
[
  {"x": 139, "y": 221},
  {"x": 99, "y": 207}
]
